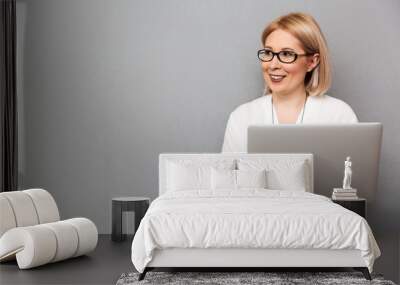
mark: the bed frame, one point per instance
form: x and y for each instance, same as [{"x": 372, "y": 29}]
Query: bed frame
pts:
[{"x": 241, "y": 259}]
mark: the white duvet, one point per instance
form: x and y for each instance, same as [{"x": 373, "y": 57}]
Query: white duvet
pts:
[{"x": 250, "y": 218}]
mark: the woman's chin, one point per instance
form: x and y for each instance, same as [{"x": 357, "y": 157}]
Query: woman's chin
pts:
[{"x": 277, "y": 89}]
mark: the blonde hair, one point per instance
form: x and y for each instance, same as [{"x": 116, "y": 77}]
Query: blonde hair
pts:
[{"x": 307, "y": 31}]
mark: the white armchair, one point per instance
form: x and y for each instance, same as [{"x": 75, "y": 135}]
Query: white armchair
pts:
[{"x": 32, "y": 233}]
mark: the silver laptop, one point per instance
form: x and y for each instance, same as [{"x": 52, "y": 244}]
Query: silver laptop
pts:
[{"x": 330, "y": 144}]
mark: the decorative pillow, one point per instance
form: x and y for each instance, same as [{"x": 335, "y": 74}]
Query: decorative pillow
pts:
[
  {"x": 237, "y": 179},
  {"x": 282, "y": 174}
]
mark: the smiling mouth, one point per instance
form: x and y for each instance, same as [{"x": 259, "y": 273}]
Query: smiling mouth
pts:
[{"x": 276, "y": 78}]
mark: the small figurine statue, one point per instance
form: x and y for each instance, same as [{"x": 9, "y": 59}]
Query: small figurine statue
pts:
[{"x": 347, "y": 174}]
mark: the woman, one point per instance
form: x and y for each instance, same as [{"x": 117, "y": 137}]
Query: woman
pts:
[{"x": 297, "y": 74}]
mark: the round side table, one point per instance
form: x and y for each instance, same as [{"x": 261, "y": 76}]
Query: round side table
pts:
[{"x": 139, "y": 205}]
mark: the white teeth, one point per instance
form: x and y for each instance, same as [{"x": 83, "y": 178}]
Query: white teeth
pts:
[{"x": 277, "y": 77}]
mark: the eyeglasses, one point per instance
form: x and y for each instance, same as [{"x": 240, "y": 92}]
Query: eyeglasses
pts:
[{"x": 284, "y": 56}]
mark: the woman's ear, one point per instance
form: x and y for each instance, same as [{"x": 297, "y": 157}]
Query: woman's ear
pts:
[{"x": 313, "y": 62}]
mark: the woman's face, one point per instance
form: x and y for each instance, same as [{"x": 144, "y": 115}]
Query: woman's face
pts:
[{"x": 286, "y": 78}]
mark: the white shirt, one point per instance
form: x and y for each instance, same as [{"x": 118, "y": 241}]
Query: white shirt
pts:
[{"x": 321, "y": 109}]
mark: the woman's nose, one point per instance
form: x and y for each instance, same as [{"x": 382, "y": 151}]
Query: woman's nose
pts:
[{"x": 274, "y": 63}]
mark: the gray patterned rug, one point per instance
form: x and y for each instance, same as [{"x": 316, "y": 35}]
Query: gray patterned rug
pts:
[{"x": 273, "y": 278}]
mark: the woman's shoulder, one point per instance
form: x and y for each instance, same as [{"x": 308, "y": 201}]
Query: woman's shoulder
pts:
[
  {"x": 332, "y": 105},
  {"x": 330, "y": 101}
]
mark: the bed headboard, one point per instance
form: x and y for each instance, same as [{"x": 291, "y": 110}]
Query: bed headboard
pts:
[{"x": 165, "y": 157}]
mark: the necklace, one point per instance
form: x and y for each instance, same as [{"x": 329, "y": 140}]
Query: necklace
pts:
[{"x": 302, "y": 113}]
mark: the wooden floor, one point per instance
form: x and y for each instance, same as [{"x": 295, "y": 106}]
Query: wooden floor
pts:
[{"x": 102, "y": 266}]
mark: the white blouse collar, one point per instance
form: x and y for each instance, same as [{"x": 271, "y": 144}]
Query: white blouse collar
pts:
[{"x": 269, "y": 113}]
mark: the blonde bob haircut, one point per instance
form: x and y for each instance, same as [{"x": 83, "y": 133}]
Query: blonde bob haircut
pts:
[{"x": 307, "y": 31}]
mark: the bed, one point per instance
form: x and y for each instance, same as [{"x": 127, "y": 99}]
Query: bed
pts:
[{"x": 247, "y": 210}]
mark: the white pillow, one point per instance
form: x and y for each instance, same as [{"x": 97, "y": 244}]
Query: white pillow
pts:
[
  {"x": 251, "y": 178},
  {"x": 223, "y": 179},
  {"x": 282, "y": 174},
  {"x": 188, "y": 177},
  {"x": 237, "y": 179},
  {"x": 293, "y": 178},
  {"x": 193, "y": 173}
]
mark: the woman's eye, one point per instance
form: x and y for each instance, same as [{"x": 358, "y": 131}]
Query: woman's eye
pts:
[{"x": 287, "y": 53}]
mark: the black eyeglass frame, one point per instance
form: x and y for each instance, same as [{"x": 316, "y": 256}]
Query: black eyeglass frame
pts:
[{"x": 296, "y": 55}]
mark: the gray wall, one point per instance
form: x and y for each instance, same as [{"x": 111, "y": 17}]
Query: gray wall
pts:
[{"x": 105, "y": 86}]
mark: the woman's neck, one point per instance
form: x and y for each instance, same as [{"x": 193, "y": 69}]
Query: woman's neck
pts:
[{"x": 290, "y": 100}]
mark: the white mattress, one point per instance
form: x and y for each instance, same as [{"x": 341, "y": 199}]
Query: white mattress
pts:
[{"x": 250, "y": 218}]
